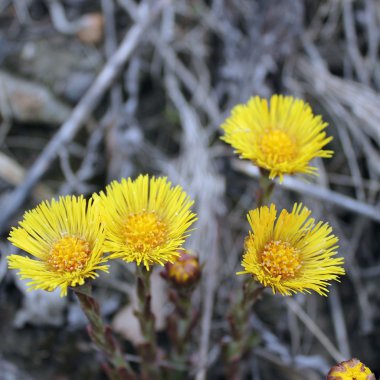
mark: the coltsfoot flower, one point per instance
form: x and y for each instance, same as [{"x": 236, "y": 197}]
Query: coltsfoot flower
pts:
[
  {"x": 66, "y": 239},
  {"x": 147, "y": 220},
  {"x": 290, "y": 253},
  {"x": 352, "y": 369},
  {"x": 281, "y": 136}
]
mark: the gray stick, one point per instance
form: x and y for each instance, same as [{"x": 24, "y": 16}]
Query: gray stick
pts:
[{"x": 79, "y": 115}]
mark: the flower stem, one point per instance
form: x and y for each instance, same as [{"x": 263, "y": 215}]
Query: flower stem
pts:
[
  {"x": 266, "y": 186},
  {"x": 148, "y": 350},
  {"x": 181, "y": 323},
  {"x": 102, "y": 336},
  {"x": 241, "y": 338}
]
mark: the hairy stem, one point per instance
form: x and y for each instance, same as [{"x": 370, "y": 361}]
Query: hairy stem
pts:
[
  {"x": 240, "y": 340},
  {"x": 180, "y": 324},
  {"x": 117, "y": 368},
  {"x": 150, "y": 368},
  {"x": 266, "y": 186}
]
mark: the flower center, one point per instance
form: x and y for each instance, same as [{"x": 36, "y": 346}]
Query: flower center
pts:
[
  {"x": 144, "y": 231},
  {"x": 280, "y": 259},
  {"x": 69, "y": 254},
  {"x": 278, "y": 146}
]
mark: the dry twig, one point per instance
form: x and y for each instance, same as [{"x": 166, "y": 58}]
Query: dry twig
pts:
[
  {"x": 81, "y": 112},
  {"x": 318, "y": 192}
]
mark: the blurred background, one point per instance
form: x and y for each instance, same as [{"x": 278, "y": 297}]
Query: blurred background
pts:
[{"x": 93, "y": 90}]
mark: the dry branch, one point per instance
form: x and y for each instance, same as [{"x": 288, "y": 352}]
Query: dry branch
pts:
[
  {"x": 80, "y": 114},
  {"x": 317, "y": 192}
]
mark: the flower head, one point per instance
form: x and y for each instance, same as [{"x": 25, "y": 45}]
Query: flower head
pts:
[
  {"x": 66, "y": 239},
  {"x": 351, "y": 369},
  {"x": 281, "y": 137},
  {"x": 185, "y": 271},
  {"x": 146, "y": 220},
  {"x": 290, "y": 253}
]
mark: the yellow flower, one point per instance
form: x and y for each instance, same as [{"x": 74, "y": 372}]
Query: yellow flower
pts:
[
  {"x": 66, "y": 239},
  {"x": 290, "y": 253},
  {"x": 351, "y": 369},
  {"x": 282, "y": 137},
  {"x": 146, "y": 220}
]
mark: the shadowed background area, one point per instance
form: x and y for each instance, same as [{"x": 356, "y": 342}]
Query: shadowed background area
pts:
[{"x": 93, "y": 90}]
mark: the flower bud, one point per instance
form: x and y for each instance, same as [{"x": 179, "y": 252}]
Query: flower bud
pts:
[
  {"x": 350, "y": 370},
  {"x": 185, "y": 271}
]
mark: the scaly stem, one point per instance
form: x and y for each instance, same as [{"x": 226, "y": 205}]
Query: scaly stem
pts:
[
  {"x": 117, "y": 367},
  {"x": 180, "y": 325},
  {"x": 266, "y": 188},
  {"x": 150, "y": 368},
  {"x": 238, "y": 319}
]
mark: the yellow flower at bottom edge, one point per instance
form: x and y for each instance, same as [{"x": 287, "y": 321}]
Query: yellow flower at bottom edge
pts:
[
  {"x": 281, "y": 137},
  {"x": 290, "y": 253},
  {"x": 352, "y": 369},
  {"x": 66, "y": 239},
  {"x": 147, "y": 219}
]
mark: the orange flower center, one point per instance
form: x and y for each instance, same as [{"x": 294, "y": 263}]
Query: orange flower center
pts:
[
  {"x": 278, "y": 146},
  {"x": 69, "y": 254},
  {"x": 144, "y": 231},
  {"x": 280, "y": 259}
]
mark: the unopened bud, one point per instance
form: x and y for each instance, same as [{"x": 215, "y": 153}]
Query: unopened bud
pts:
[
  {"x": 185, "y": 271},
  {"x": 350, "y": 370}
]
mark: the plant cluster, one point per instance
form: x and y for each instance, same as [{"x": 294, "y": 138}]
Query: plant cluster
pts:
[{"x": 147, "y": 220}]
